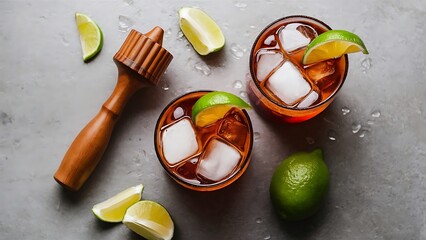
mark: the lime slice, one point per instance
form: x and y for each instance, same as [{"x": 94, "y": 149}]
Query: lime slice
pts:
[
  {"x": 200, "y": 30},
  {"x": 150, "y": 220},
  {"x": 333, "y": 44},
  {"x": 113, "y": 209},
  {"x": 213, "y": 106},
  {"x": 91, "y": 38}
]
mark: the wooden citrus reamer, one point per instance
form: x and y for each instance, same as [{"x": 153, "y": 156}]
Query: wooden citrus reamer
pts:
[{"x": 141, "y": 61}]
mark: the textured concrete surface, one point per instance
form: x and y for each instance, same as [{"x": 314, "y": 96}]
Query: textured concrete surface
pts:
[{"x": 47, "y": 94}]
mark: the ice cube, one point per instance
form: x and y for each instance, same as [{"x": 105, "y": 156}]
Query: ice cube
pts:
[
  {"x": 288, "y": 84},
  {"x": 321, "y": 69},
  {"x": 187, "y": 169},
  {"x": 178, "y": 112},
  {"x": 295, "y": 36},
  {"x": 319, "y": 72},
  {"x": 308, "y": 100},
  {"x": 270, "y": 41},
  {"x": 179, "y": 141},
  {"x": 218, "y": 161},
  {"x": 267, "y": 60},
  {"x": 233, "y": 130}
]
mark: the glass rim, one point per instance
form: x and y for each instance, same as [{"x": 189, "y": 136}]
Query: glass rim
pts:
[
  {"x": 251, "y": 68},
  {"x": 216, "y": 185}
]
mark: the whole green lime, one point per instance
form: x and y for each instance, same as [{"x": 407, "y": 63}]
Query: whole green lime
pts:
[{"x": 299, "y": 185}]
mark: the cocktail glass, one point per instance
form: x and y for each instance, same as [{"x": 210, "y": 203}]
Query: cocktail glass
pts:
[
  {"x": 202, "y": 158},
  {"x": 280, "y": 87}
]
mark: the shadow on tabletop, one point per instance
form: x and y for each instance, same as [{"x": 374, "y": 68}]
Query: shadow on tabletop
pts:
[
  {"x": 215, "y": 59},
  {"x": 309, "y": 135},
  {"x": 209, "y": 215},
  {"x": 303, "y": 229}
]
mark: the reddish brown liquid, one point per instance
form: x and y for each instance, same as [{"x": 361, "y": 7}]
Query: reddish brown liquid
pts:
[
  {"x": 267, "y": 103},
  {"x": 184, "y": 172}
]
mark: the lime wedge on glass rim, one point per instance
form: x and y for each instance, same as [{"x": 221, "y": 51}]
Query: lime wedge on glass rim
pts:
[
  {"x": 91, "y": 37},
  {"x": 201, "y": 31},
  {"x": 333, "y": 44},
  {"x": 150, "y": 220},
  {"x": 214, "y": 105},
  {"x": 113, "y": 209}
]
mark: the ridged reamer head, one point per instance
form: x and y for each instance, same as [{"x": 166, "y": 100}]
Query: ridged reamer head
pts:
[{"x": 144, "y": 54}]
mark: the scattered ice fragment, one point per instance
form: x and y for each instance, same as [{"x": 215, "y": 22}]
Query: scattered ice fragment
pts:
[
  {"x": 233, "y": 130},
  {"x": 308, "y": 100},
  {"x": 168, "y": 33},
  {"x": 363, "y": 133},
  {"x": 124, "y": 23},
  {"x": 266, "y": 62},
  {"x": 356, "y": 126},
  {"x": 179, "y": 35},
  {"x": 178, "y": 112},
  {"x": 366, "y": 64},
  {"x": 165, "y": 86},
  {"x": 288, "y": 84},
  {"x": 243, "y": 94},
  {"x": 64, "y": 41},
  {"x": 218, "y": 161},
  {"x": 203, "y": 68},
  {"x": 179, "y": 141},
  {"x": 237, "y": 51},
  {"x": 257, "y": 136},
  {"x": 375, "y": 114},
  {"x": 332, "y": 135},
  {"x": 268, "y": 237},
  {"x": 295, "y": 36},
  {"x": 241, "y": 6},
  {"x": 237, "y": 84},
  {"x": 128, "y": 2},
  {"x": 259, "y": 220},
  {"x": 345, "y": 110},
  {"x": 226, "y": 25},
  {"x": 370, "y": 122}
]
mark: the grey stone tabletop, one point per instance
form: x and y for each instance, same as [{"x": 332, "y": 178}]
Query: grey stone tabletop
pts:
[{"x": 373, "y": 135}]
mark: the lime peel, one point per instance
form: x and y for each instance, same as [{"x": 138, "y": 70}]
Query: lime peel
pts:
[
  {"x": 201, "y": 30},
  {"x": 215, "y": 105},
  {"x": 333, "y": 44},
  {"x": 150, "y": 220},
  {"x": 91, "y": 36},
  {"x": 114, "y": 208}
]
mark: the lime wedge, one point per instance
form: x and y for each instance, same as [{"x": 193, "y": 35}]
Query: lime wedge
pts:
[
  {"x": 150, "y": 220},
  {"x": 113, "y": 209},
  {"x": 333, "y": 44},
  {"x": 200, "y": 30},
  {"x": 91, "y": 37},
  {"x": 213, "y": 106}
]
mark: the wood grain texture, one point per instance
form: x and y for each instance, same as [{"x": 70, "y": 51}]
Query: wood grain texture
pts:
[{"x": 140, "y": 63}]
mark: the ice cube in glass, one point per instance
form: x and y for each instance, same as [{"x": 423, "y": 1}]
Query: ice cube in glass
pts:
[
  {"x": 288, "y": 84},
  {"x": 179, "y": 141},
  {"x": 232, "y": 129},
  {"x": 267, "y": 60},
  {"x": 218, "y": 161},
  {"x": 295, "y": 36}
]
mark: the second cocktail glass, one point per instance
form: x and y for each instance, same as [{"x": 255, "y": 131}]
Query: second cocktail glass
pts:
[{"x": 280, "y": 87}]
